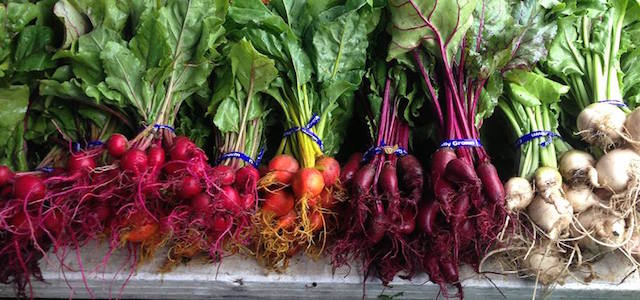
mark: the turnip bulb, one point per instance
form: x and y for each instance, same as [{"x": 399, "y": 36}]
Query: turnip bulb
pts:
[
  {"x": 618, "y": 169},
  {"x": 605, "y": 226},
  {"x": 548, "y": 181},
  {"x": 554, "y": 217},
  {"x": 601, "y": 124},
  {"x": 581, "y": 197},
  {"x": 578, "y": 167},
  {"x": 632, "y": 128},
  {"x": 519, "y": 194},
  {"x": 546, "y": 263}
]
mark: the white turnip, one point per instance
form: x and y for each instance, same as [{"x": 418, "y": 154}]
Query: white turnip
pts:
[
  {"x": 519, "y": 194},
  {"x": 581, "y": 197},
  {"x": 578, "y": 167},
  {"x": 618, "y": 170},
  {"x": 601, "y": 124},
  {"x": 553, "y": 214}
]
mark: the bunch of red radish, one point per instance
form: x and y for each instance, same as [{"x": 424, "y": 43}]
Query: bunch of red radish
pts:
[
  {"x": 462, "y": 216},
  {"x": 296, "y": 204}
]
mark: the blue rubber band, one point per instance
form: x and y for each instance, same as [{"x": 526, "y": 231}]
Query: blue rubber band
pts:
[
  {"x": 162, "y": 126},
  {"x": 373, "y": 151},
  {"x": 242, "y": 156},
  {"x": 618, "y": 103},
  {"x": 94, "y": 144},
  {"x": 458, "y": 143},
  {"x": 45, "y": 169},
  {"x": 547, "y": 135},
  {"x": 307, "y": 130}
]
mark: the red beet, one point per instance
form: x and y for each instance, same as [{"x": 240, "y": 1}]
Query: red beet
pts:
[
  {"x": 155, "y": 156},
  {"x": 189, "y": 187},
  {"x": 408, "y": 222},
  {"x": 377, "y": 228},
  {"x": 103, "y": 212},
  {"x": 440, "y": 160},
  {"x": 221, "y": 223},
  {"x": 283, "y": 167},
  {"x": 117, "y": 145},
  {"x": 248, "y": 200},
  {"x": 6, "y": 175},
  {"x": 279, "y": 202},
  {"x": 491, "y": 184},
  {"x": 427, "y": 215},
  {"x": 388, "y": 180},
  {"x": 350, "y": 168},
  {"x": 461, "y": 172},
  {"x": 54, "y": 221},
  {"x": 29, "y": 186},
  {"x": 449, "y": 270},
  {"x": 363, "y": 179},
  {"x": 134, "y": 160},
  {"x": 412, "y": 177}
]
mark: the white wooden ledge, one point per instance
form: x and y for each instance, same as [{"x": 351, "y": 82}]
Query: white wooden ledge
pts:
[{"x": 239, "y": 277}]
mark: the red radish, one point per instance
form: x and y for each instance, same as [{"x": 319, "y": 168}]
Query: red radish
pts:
[
  {"x": 221, "y": 223},
  {"x": 29, "y": 186},
  {"x": 54, "y": 221},
  {"x": 134, "y": 160},
  {"x": 6, "y": 175},
  {"x": 117, "y": 145},
  {"x": 427, "y": 214},
  {"x": 279, "y": 202},
  {"x": 81, "y": 163},
  {"x": 224, "y": 174},
  {"x": 201, "y": 203},
  {"x": 173, "y": 168},
  {"x": 461, "y": 172},
  {"x": 189, "y": 187},
  {"x": 182, "y": 148},
  {"x": 316, "y": 221},
  {"x": 141, "y": 227},
  {"x": 491, "y": 183},
  {"x": 19, "y": 223},
  {"x": 231, "y": 200},
  {"x": 363, "y": 179},
  {"x": 440, "y": 160},
  {"x": 155, "y": 156},
  {"x": 6, "y": 192},
  {"x": 389, "y": 180},
  {"x": 288, "y": 221},
  {"x": 351, "y": 167},
  {"x": 308, "y": 183},
  {"x": 330, "y": 169}
]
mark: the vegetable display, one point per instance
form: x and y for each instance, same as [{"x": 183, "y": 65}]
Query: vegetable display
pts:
[{"x": 362, "y": 131}]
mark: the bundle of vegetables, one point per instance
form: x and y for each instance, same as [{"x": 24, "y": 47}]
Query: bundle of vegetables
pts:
[
  {"x": 26, "y": 46},
  {"x": 147, "y": 72},
  {"x": 385, "y": 186},
  {"x": 461, "y": 49},
  {"x": 595, "y": 53},
  {"x": 319, "y": 49}
]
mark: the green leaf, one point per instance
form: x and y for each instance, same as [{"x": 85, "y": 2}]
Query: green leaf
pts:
[
  {"x": 227, "y": 116},
  {"x": 523, "y": 96},
  {"x": 543, "y": 89},
  {"x": 14, "y": 101},
  {"x": 19, "y": 15},
  {"x": 255, "y": 71},
  {"x": 124, "y": 73},
  {"x": 489, "y": 97},
  {"x": 74, "y": 22},
  {"x": 428, "y": 22},
  {"x": 31, "y": 52}
]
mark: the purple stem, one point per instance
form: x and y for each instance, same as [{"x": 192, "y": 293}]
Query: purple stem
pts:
[{"x": 427, "y": 81}]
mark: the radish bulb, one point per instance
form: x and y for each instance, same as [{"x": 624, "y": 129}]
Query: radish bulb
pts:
[
  {"x": 519, "y": 194},
  {"x": 578, "y": 167},
  {"x": 581, "y": 197},
  {"x": 618, "y": 169},
  {"x": 601, "y": 124},
  {"x": 554, "y": 217},
  {"x": 548, "y": 181}
]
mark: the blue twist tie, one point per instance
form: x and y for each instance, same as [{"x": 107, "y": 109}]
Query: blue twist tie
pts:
[
  {"x": 307, "y": 130},
  {"x": 547, "y": 135},
  {"x": 457, "y": 143},
  {"x": 373, "y": 151},
  {"x": 242, "y": 156},
  {"x": 162, "y": 126},
  {"x": 618, "y": 103},
  {"x": 76, "y": 146},
  {"x": 95, "y": 144},
  {"x": 45, "y": 169}
]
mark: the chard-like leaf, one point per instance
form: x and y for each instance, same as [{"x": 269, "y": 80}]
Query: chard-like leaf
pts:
[
  {"x": 14, "y": 101},
  {"x": 74, "y": 22},
  {"x": 431, "y": 23}
]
